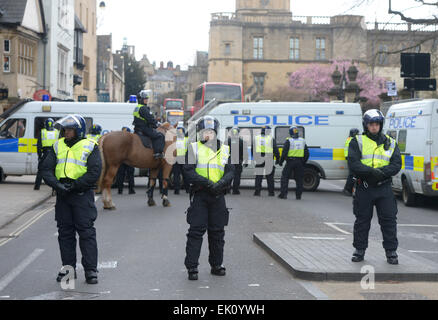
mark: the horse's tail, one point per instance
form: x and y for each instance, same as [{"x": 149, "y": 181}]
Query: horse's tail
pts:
[{"x": 103, "y": 172}]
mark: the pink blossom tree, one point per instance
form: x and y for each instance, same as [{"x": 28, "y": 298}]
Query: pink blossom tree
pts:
[{"x": 316, "y": 81}]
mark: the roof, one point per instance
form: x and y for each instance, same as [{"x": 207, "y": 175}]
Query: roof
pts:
[
  {"x": 13, "y": 11},
  {"x": 79, "y": 25}
]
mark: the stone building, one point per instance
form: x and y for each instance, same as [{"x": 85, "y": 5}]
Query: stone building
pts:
[
  {"x": 22, "y": 29},
  {"x": 262, "y": 43}
]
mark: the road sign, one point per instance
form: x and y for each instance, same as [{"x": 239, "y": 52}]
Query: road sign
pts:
[
  {"x": 38, "y": 95},
  {"x": 415, "y": 65},
  {"x": 420, "y": 84},
  {"x": 392, "y": 88}
]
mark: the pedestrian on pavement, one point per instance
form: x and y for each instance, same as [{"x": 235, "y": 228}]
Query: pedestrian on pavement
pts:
[
  {"x": 47, "y": 138},
  {"x": 239, "y": 154},
  {"x": 125, "y": 171},
  {"x": 95, "y": 133},
  {"x": 374, "y": 158},
  {"x": 265, "y": 152},
  {"x": 72, "y": 167},
  {"x": 210, "y": 172},
  {"x": 296, "y": 154},
  {"x": 181, "y": 151},
  {"x": 349, "y": 184}
]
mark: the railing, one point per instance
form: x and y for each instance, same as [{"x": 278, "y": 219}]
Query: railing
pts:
[
  {"x": 401, "y": 26},
  {"x": 223, "y": 16},
  {"x": 312, "y": 19}
]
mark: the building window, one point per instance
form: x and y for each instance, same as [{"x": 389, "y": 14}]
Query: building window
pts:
[
  {"x": 7, "y": 46},
  {"x": 227, "y": 49},
  {"x": 6, "y": 64},
  {"x": 78, "y": 53},
  {"x": 63, "y": 12},
  {"x": 86, "y": 82},
  {"x": 25, "y": 59},
  {"x": 259, "y": 82},
  {"x": 383, "y": 54},
  {"x": 258, "y": 48},
  {"x": 294, "y": 48},
  {"x": 62, "y": 69},
  {"x": 320, "y": 48}
]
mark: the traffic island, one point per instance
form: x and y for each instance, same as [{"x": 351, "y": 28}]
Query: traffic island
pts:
[{"x": 322, "y": 257}]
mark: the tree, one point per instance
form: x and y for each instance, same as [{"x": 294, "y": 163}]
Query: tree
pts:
[
  {"x": 315, "y": 80},
  {"x": 135, "y": 78}
]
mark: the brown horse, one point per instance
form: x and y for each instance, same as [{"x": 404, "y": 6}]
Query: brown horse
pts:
[{"x": 119, "y": 147}]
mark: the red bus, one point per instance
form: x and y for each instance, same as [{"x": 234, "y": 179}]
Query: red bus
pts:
[
  {"x": 173, "y": 104},
  {"x": 222, "y": 91}
]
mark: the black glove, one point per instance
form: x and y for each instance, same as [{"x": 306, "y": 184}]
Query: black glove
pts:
[
  {"x": 218, "y": 187},
  {"x": 277, "y": 162},
  {"x": 280, "y": 163},
  {"x": 61, "y": 189},
  {"x": 378, "y": 174}
]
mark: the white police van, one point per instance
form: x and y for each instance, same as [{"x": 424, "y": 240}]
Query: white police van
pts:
[
  {"x": 324, "y": 126},
  {"x": 21, "y": 125},
  {"x": 415, "y": 127}
]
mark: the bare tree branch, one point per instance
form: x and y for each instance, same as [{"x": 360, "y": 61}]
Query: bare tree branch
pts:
[
  {"x": 428, "y": 3},
  {"x": 412, "y": 20}
]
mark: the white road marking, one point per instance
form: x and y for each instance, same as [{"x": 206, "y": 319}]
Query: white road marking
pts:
[
  {"x": 254, "y": 285},
  {"x": 398, "y": 225},
  {"x": 334, "y": 186},
  {"x": 313, "y": 290},
  {"x": 332, "y": 225},
  {"x": 154, "y": 290},
  {"x": 101, "y": 265},
  {"x": 317, "y": 238},
  {"x": 418, "y": 251},
  {"x": 5, "y": 297},
  {"x": 8, "y": 278},
  {"x": 206, "y": 287}
]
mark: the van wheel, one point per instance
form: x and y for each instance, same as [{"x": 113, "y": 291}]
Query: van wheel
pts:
[
  {"x": 409, "y": 198},
  {"x": 311, "y": 179}
]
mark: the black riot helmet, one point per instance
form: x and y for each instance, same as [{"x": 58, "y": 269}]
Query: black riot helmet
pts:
[
  {"x": 294, "y": 132},
  {"x": 264, "y": 128},
  {"x": 207, "y": 122},
  {"x": 373, "y": 115}
]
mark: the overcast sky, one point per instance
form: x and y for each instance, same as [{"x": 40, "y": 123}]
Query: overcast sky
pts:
[{"x": 175, "y": 29}]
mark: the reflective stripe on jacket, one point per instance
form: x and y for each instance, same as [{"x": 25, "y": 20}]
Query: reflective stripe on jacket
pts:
[
  {"x": 72, "y": 162},
  {"x": 374, "y": 155},
  {"x": 210, "y": 164},
  {"x": 296, "y": 148}
]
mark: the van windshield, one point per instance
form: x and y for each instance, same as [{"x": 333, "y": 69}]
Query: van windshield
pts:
[{"x": 13, "y": 129}]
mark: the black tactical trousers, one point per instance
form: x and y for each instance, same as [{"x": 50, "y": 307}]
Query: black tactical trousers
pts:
[
  {"x": 76, "y": 213},
  {"x": 364, "y": 201},
  {"x": 124, "y": 171},
  {"x": 237, "y": 174},
  {"x": 39, "y": 176},
  {"x": 295, "y": 165},
  {"x": 157, "y": 139},
  {"x": 269, "y": 180},
  {"x": 206, "y": 213},
  {"x": 177, "y": 172}
]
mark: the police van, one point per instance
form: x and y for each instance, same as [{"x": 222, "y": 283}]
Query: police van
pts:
[
  {"x": 324, "y": 126},
  {"x": 21, "y": 126},
  {"x": 415, "y": 127}
]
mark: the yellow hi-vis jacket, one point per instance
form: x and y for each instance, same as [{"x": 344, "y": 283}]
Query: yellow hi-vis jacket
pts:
[
  {"x": 264, "y": 144},
  {"x": 49, "y": 137},
  {"x": 210, "y": 164},
  {"x": 375, "y": 156}
]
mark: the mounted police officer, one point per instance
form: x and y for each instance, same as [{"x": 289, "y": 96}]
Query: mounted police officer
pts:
[
  {"x": 47, "y": 138},
  {"x": 296, "y": 154},
  {"x": 210, "y": 173},
  {"x": 239, "y": 154},
  {"x": 265, "y": 150},
  {"x": 72, "y": 167},
  {"x": 181, "y": 151},
  {"x": 349, "y": 184},
  {"x": 374, "y": 158},
  {"x": 95, "y": 133},
  {"x": 145, "y": 124}
]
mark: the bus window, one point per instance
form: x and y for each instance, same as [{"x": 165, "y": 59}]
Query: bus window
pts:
[{"x": 222, "y": 92}]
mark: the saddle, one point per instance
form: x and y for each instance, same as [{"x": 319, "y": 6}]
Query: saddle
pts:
[{"x": 147, "y": 142}]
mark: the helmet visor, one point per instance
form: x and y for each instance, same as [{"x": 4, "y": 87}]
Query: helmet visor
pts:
[
  {"x": 209, "y": 124},
  {"x": 69, "y": 122}
]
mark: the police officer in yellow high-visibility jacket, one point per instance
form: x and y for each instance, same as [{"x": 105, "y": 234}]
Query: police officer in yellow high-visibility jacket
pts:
[
  {"x": 95, "y": 133},
  {"x": 349, "y": 184},
  {"x": 181, "y": 151},
  {"x": 374, "y": 158},
  {"x": 45, "y": 142},
  {"x": 72, "y": 167},
  {"x": 210, "y": 172}
]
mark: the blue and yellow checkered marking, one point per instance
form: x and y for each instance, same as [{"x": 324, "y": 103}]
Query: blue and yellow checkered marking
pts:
[
  {"x": 324, "y": 154},
  {"x": 413, "y": 163},
  {"x": 22, "y": 145}
]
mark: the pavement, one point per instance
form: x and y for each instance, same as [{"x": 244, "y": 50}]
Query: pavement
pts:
[{"x": 18, "y": 197}]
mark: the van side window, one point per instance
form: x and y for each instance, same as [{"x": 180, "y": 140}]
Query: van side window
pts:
[
  {"x": 13, "y": 129},
  {"x": 282, "y": 133},
  {"x": 392, "y": 134},
  {"x": 402, "y": 140},
  {"x": 39, "y": 125}
]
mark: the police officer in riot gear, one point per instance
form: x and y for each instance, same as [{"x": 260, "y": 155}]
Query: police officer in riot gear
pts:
[
  {"x": 145, "y": 124},
  {"x": 210, "y": 172},
  {"x": 349, "y": 184},
  {"x": 239, "y": 154},
  {"x": 181, "y": 151},
  {"x": 374, "y": 158},
  {"x": 47, "y": 138},
  {"x": 264, "y": 151},
  {"x": 95, "y": 133},
  {"x": 296, "y": 154},
  {"x": 72, "y": 167}
]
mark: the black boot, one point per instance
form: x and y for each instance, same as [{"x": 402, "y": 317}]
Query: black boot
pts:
[
  {"x": 62, "y": 275},
  {"x": 282, "y": 196},
  {"x": 391, "y": 257},
  {"x": 120, "y": 191},
  {"x": 271, "y": 194},
  {"x": 257, "y": 193},
  {"x": 193, "y": 273},
  {"x": 298, "y": 197},
  {"x": 218, "y": 270},
  {"x": 236, "y": 192},
  {"x": 132, "y": 191},
  {"x": 358, "y": 255},
  {"x": 91, "y": 277}
]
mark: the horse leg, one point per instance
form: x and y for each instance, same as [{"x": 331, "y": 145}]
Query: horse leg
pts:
[
  {"x": 152, "y": 182},
  {"x": 166, "y": 173},
  {"x": 107, "y": 181}
]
